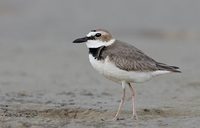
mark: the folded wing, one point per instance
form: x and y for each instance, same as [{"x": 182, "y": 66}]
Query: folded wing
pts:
[{"x": 129, "y": 58}]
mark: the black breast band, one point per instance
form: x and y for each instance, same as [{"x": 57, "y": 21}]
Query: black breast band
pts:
[{"x": 96, "y": 52}]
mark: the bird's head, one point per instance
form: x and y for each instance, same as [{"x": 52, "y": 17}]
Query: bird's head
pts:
[{"x": 96, "y": 38}]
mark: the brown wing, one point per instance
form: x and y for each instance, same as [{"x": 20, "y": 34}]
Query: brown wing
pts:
[{"x": 129, "y": 58}]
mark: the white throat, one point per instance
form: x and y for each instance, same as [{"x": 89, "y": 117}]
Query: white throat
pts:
[{"x": 98, "y": 43}]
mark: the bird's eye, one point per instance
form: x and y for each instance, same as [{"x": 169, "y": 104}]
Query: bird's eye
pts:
[{"x": 98, "y": 35}]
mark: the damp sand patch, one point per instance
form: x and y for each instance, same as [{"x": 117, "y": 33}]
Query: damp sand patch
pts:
[{"x": 65, "y": 113}]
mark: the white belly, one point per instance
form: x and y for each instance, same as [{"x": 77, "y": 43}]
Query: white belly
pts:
[{"x": 110, "y": 71}]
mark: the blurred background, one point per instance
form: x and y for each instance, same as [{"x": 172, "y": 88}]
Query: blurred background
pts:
[{"x": 39, "y": 63}]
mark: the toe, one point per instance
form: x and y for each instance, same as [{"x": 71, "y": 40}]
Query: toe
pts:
[{"x": 135, "y": 117}]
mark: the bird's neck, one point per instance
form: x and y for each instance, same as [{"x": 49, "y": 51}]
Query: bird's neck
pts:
[
  {"x": 99, "y": 43},
  {"x": 96, "y": 52}
]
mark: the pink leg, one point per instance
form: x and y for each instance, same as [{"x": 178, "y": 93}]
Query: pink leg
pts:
[
  {"x": 121, "y": 103},
  {"x": 133, "y": 101}
]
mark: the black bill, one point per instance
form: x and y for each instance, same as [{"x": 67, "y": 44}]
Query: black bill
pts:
[{"x": 81, "y": 40}]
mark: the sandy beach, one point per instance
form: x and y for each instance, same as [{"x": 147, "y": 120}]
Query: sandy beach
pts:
[{"x": 48, "y": 82}]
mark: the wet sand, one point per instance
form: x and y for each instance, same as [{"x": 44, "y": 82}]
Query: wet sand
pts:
[
  {"x": 47, "y": 87},
  {"x": 47, "y": 82},
  {"x": 40, "y": 116}
]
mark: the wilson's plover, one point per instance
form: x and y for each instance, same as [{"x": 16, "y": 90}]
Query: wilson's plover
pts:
[{"x": 121, "y": 62}]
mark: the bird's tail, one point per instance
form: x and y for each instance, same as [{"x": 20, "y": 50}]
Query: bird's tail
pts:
[{"x": 162, "y": 66}]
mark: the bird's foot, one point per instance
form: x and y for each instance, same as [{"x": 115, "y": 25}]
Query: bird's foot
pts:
[
  {"x": 115, "y": 118},
  {"x": 134, "y": 117}
]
